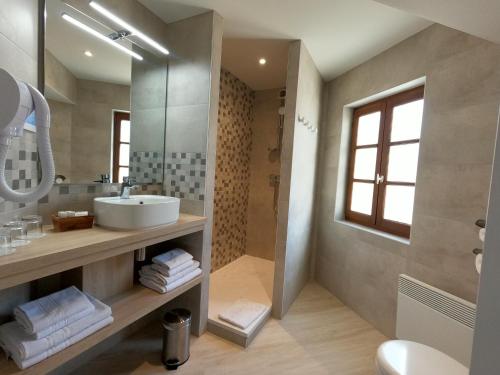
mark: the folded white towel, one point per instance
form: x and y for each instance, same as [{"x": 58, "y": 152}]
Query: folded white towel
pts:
[
  {"x": 23, "y": 364},
  {"x": 46, "y": 315},
  {"x": 161, "y": 288},
  {"x": 242, "y": 313},
  {"x": 172, "y": 258},
  {"x": 151, "y": 273},
  {"x": 174, "y": 271},
  {"x": 16, "y": 341}
]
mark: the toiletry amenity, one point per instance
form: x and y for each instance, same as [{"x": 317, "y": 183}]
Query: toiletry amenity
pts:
[
  {"x": 169, "y": 271},
  {"x": 242, "y": 313},
  {"x": 27, "y": 349},
  {"x": 48, "y": 314},
  {"x": 482, "y": 233}
]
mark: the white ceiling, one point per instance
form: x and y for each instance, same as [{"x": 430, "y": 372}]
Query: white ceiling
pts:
[
  {"x": 476, "y": 17},
  {"x": 68, "y": 43},
  {"x": 241, "y": 57},
  {"x": 340, "y": 34}
]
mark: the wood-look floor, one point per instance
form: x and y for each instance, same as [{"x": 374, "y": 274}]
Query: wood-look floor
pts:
[{"x": 318, "y": 336}]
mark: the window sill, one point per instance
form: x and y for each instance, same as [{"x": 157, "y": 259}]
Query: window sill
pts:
[{"x": 392, "y": 237}]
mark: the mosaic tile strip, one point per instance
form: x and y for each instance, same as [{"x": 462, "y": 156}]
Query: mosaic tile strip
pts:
[
  {"x": 185, "y": 175},
  {"x": 146, "y": 166},
  {"x": 232, "y": 173}
]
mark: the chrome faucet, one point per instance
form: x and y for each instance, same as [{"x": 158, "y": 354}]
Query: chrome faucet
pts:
[{"x": 127, "y": 186}]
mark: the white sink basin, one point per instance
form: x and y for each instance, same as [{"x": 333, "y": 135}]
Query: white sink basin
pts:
[{"x": 139, "y": 211}]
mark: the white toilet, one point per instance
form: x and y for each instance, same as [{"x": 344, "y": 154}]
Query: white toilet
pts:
[{"x": 402, "y": 357}]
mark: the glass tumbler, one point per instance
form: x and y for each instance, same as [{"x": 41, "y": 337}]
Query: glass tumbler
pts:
[
  {"x": 18, "y": 233},
  {"x": 34, "y": 227},
  {"x": 6, "y": 247}
]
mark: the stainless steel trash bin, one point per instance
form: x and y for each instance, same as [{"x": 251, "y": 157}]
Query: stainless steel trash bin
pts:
[{"x": 176, "y": 333}]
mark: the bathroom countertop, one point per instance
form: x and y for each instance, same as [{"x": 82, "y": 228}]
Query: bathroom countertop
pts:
[{"x": 60, "y": 251}]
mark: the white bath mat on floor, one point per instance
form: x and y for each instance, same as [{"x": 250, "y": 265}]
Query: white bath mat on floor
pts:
[{"x": 242, "y": 313}]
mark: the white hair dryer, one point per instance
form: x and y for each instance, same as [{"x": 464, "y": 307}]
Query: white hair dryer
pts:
[{"x": 17, "y": 101}]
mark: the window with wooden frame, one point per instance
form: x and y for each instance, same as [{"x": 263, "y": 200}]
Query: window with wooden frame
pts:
[
  {"x": 121, "y": 145},
  {"x": 383, "y": 162}
]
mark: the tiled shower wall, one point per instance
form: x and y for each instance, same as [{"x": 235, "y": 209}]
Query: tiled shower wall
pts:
[{"x": 232, "y": 171}]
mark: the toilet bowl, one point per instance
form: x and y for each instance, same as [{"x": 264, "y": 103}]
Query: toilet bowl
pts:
[{"x": 402, "y": 357}]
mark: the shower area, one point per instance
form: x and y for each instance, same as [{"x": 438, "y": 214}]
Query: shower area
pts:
[{"x": 249, "y": 138}]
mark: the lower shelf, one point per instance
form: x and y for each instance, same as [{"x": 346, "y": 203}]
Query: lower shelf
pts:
[{"x": 127, "y": 308}]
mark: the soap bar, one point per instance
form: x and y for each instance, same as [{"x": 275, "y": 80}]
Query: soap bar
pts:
[{"x": 62, "y": 214}]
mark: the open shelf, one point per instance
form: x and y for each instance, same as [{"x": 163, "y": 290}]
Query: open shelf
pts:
[{"x": 127, "y": 308}]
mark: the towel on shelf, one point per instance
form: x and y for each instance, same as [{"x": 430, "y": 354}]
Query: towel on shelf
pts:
[
  {"x": 174, "y": 271},
  {"x": 46, "y": 315},
  {"x": 151, "y": 273},
  {"x": 172, "y": 258},
  {"x": 28, "y": 362},
  {"x": 15, "y": 340},
  {"x": 242, "y": 313},
  {"x": 162, "y": 288}
]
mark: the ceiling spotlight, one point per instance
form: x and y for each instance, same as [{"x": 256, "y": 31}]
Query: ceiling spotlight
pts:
[
  {"x": 113, "y": 17},
  {"x": 262, "y": 61},
  {"x": 100, "y": 36},
  {"x": 88, "y": 54}
]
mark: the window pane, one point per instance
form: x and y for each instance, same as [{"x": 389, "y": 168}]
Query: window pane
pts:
[
  {"x": 407, "y": 121},
  {"x": 368, "y": 129},
  {"x": 403, "y": 160},
  {"x": 364, "y": 164},
  {"x": 399, "y": 203},
  {"x": 124, "y": 154},
  {"x": 125, "y": 131},
  {"x": 123, "y": 172},
  {"x": 362, "y": 197}
]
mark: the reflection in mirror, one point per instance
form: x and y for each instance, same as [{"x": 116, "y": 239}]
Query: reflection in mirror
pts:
[{"x": 107, "y": 104}]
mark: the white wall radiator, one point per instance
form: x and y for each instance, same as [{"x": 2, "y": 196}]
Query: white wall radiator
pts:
[{"x": 433, "y": 317}]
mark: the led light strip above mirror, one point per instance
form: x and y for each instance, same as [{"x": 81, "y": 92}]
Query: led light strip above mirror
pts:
[
  {"x": 134, "y": 32},
  {"x": 100, "y": 36}
]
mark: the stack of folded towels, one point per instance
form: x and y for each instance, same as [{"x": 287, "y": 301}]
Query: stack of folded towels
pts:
[
  {"x": 169, "y": 271},
  {"x": 50, "y": 324}
]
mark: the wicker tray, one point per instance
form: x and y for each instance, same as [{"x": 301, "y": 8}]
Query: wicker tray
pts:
[{"x": 63, "y": 224}]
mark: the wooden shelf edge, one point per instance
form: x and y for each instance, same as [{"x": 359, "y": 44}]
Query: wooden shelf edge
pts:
[
  {"x": 127, "y": 308},
  {"x": 50, "y": 264}
]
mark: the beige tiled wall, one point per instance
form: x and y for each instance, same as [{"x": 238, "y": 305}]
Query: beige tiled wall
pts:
[
  {"x": 460, "y": 116},
  {"x": 261, "y": 225}
]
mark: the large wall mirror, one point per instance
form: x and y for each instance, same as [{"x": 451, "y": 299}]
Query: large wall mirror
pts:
[{"x": 107, "y": 94}]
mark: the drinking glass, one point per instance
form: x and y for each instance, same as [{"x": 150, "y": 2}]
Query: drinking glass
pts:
[
  {"x": 18, "y": 233},
  {"x": 6, "y": 247},
  {"x": 34, "y": 227}
]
